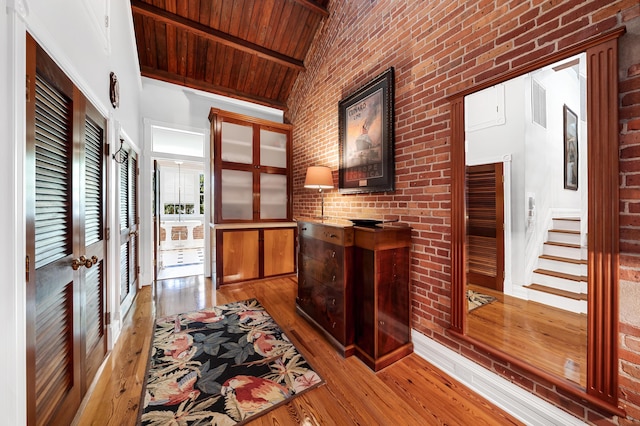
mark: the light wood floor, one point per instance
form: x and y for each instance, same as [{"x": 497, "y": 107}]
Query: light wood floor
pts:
[
  {"x": 409, "y": 392},
  {"x": 543, "y": 336}
]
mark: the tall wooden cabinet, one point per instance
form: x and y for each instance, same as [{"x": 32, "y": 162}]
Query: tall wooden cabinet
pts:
[
  {"x": 381, "y": 294},
  {"x": 251, "y": 168},
  {"x": 254, "y": 235},
  {"x": 325, "y": 275}
]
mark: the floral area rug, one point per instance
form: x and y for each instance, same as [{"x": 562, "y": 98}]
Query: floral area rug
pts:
[
  {"x": 221, "y": 366},
  {"x": 475, "y": 299}
]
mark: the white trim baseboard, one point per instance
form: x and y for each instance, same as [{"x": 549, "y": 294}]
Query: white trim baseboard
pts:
[{"x": 513, "y": 399}]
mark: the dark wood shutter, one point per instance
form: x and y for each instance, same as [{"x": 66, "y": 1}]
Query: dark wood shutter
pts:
[
  {"x": 54, "y": 300},
  {"x": 128, "y": 227},
  {"x": 65, "y": 297},
  {"x": 485, "y": 226},
  {"x": 93, "y": 210},
  {"x": 53, "y": 174},
  {"x": 94, "y": 306},
  {"x": 133, "y": 221}
]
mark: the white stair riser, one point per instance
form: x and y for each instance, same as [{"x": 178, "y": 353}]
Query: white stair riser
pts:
[
  {"x": 577, "y": 306},
  {"x": 569, "y": 252},
  {"x": 570, "y": 225},
  {"x": 565, "y": 267},
  {"x": 560, "y": 283},
  {"x": 563, "y": 237}
]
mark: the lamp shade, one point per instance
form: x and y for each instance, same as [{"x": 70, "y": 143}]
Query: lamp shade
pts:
[{"x": 318, "y": 177}]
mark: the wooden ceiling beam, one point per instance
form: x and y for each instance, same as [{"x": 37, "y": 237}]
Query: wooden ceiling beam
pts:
[
  {"x": 314, "y": 7},
  {"x": 214, "y": 35},
  {"x": 180, "y": 80}
]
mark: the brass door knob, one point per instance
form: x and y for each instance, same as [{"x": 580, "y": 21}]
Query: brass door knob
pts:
[{"x": 81, "y": 261}]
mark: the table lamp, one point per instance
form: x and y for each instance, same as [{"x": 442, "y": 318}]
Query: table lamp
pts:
[{"x": 319, "y": 177}]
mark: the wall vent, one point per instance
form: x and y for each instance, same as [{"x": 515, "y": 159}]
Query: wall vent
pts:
[{"x": 539, "y": 103}]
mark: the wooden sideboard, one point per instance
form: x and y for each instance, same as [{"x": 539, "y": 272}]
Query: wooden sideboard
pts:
[
  {"x": 325, "y": 273},
  {"x": 353, "y": 285},
  {"x": 382, "y": 311}
]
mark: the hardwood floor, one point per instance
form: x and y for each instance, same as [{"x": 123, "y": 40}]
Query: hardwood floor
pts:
[
  {"x": 551, "y": 339},
  {"x": 409, "y": 392}
]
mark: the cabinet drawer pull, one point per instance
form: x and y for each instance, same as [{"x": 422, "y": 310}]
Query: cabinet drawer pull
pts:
[
  {"x": 334, "y": 325},
  {"x": 333, "y": 254},
  {"x": 333, "y": 279},
  {"x": 333, "y": 302},
  {"x": 304, "y": 229},
  {"x": 330, "y": 235},
  {"x": 381, "y": 322}
]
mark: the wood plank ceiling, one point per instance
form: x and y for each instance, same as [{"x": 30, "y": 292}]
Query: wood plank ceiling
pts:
[{"x": 245, "y": 49}]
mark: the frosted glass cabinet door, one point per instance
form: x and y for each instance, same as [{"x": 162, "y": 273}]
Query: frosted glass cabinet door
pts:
[
  {"x": 237, "y": 194},
  {"x": 273, "y": 148},
  {"x": 237, "y": 143},
  {"x": 273, "y": 196}
]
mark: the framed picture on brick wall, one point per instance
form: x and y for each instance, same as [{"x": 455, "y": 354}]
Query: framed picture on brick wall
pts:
[{"x": 366, "y": 127}]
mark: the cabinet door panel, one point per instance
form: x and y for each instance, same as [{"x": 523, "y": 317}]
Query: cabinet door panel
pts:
[
  {"x": 237, "y": 195},
  {"x": 240, "y": 255},
  {"x": 237, "y": 143},
  {"x": 278, "y": 251},
  {"x": 364, "y": 296},
  {"x": 273, "y": 148},
  {"x": 393, "y": 299},
  {"x": 273, "y": 196}
]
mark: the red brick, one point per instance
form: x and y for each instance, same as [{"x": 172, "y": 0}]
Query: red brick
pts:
[{"x": 439, "y": 50}]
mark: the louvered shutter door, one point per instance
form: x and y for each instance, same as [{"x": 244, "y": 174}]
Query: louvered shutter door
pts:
[
  {"x": 133, "y": 218},
  {"x": 94, "y": 279},
  {"x": 125, "y": 254},
  {"x": 93, "y": 183},
  {"x": 53, "y": 230},
  {"x": 484, "y": 225},
  {"x": 53, "y": 174}
]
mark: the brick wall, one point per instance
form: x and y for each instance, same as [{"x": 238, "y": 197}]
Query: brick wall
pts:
[
  {"x": 439, "y": 48},
  {"x": 629, "y": 114}
]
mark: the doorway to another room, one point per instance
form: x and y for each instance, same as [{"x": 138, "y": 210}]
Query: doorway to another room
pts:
[
  {"x": 181, "y": 234},
  {"x": 179, "y": 204}
]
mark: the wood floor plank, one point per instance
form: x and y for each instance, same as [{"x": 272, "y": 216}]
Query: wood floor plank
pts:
[{"x": 409, "y": 392}]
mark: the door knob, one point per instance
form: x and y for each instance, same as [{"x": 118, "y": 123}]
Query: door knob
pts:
[{"x": 83, "y": 261}]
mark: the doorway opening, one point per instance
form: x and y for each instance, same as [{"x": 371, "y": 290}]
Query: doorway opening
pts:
[{"x": 179, "y": 188}]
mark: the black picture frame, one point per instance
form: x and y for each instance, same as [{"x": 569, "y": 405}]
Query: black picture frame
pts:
[
  {"x": 570, "y": 127},
  {"x": 366, "y": 126}
]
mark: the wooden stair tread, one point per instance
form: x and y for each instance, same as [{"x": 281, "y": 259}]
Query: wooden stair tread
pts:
[
  {"x": 563, "y": 259},
  {"x": 561, "y": 275},
  {"x": 557, "y": 292},
  {"x": 553, "y": 243},
  {"x": 565, "y": 231}
]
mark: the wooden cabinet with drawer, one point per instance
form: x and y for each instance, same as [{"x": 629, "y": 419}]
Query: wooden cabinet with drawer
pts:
[
  {"x": 325, "y": 273},
  {"x": 381, "y": 288}
]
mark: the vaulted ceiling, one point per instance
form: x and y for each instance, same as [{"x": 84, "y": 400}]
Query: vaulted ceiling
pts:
[{"x": 245, "y": 49}]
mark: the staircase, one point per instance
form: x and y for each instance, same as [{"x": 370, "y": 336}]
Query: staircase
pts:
[{"x": 560, "y": 279}]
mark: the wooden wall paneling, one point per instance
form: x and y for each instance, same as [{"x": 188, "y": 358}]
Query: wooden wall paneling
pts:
[{"x": 603, "y": 250}]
